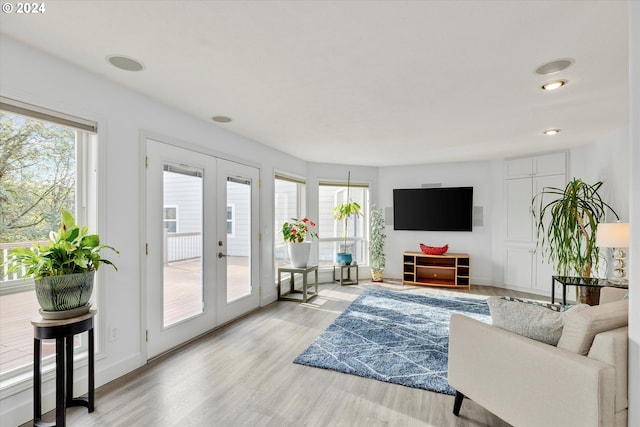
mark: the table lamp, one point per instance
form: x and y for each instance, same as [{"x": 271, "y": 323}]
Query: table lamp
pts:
[{"x": 615, "y": 235}]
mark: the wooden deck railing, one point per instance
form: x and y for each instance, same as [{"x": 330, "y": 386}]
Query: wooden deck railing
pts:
[
  {"x": 177, "y": 247},
  {"x": 5, "y": 265},
  {"x": 182, "y": 246}
]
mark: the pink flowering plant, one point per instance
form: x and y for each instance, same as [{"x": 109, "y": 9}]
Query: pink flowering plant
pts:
[{"x": 296, "y": 230}]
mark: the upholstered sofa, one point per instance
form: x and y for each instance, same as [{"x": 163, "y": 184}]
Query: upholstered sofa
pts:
[{"x": 580, "y": 382}]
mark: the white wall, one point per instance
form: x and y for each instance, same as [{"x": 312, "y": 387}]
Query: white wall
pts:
[
  {"x": 634, "y": 197},
  {"x": 477, "y": 243},
  {"x": 606, "y": 160},
  {"x": 33, "y": 77}
]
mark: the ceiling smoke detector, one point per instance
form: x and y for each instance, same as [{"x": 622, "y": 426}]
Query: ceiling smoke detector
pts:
[
  {"x": 125, "y": 63},
  {"x": 554, "y": 66},
  {"x": 551, "y": 131}
]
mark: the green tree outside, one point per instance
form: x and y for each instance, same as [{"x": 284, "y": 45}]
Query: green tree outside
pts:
[{"x": 37, "y": 177}]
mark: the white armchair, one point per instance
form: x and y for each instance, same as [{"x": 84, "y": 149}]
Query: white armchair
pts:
[{"x": 529, "y": 383}]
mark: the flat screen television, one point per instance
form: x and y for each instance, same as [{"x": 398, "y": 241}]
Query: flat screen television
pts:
[{"x": 433, "y": 209}]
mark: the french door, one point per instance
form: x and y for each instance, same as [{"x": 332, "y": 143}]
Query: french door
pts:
[
  {"x": 202, "y": 246},
  {"x": 237, "y": 252}
]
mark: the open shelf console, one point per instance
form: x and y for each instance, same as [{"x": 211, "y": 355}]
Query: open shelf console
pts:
[{"x": 448, "y": 270}]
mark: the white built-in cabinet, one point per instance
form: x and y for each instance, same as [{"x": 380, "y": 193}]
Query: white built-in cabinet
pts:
[{"x": 524, "y": 178}]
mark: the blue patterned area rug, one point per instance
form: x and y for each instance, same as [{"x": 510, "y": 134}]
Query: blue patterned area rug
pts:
[{"x": 396, "y": 337}]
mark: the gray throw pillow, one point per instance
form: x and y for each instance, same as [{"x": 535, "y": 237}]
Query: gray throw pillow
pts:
[{"x": 534, "y": 321}]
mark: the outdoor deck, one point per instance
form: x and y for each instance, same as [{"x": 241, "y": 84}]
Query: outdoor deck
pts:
[{"x": 183, "y": 300}]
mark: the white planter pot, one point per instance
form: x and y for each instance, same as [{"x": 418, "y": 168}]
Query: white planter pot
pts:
[{"x": 299, "y": 254}]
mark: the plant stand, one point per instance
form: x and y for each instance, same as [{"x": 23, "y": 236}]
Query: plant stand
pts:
[
  {"x": 62, "y": 331},
  {"x": 303, "y": 295},
  {"x": 340, "y": 278}
]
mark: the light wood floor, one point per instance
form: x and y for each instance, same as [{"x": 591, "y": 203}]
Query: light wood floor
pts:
[{"x": 242, "y": 375}]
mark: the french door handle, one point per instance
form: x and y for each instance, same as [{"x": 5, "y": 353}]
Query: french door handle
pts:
[{"x": 221, "y": 255}]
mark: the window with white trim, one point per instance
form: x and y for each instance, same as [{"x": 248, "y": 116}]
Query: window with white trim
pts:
[
  {"x": 332, "y": 231},
  {"x": 170, "y": 219},
  {"x": 50, "y": 163},
  {"x": 289, "y": 202},
  {"x": 231, "y": 223}
]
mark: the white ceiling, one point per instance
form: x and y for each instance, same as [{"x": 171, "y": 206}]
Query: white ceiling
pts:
[{"x": 361, "y": 82}]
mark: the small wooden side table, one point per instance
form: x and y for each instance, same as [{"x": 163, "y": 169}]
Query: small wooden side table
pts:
[
  {"x": 303, "y": 295},
  {"x": 62, "y": 331},
  {"x": 345, "y": 280}
]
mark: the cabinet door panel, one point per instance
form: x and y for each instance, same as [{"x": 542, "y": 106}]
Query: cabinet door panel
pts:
[
  {"x": 518, "y": 200},
  {"x": 544, "y": 272},
  {"x": 539, "y": 184},
  {"x": 518, "y": 267},
  {"x": 550, "y": 164},
  {"x": 518, "y": 168}
]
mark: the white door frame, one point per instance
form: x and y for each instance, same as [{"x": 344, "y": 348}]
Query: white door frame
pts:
[{"x": 237, "y": 308}]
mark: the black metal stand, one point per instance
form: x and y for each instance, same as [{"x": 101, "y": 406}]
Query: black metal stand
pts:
[{"x": 63, "y": 332}]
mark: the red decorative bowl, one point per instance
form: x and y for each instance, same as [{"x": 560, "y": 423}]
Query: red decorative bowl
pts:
[{"x": 434, "y": 250}]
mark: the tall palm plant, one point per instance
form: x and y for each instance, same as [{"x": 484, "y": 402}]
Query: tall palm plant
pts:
[{"x": 566, "y": 226}]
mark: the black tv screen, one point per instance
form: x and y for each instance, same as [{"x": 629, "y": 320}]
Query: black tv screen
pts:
[{"x": 433, "y": 209}]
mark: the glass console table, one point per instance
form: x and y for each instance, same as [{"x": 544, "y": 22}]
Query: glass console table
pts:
[{"x": 565, "y": 281}]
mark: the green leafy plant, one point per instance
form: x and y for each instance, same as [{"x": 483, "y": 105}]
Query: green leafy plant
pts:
[
  {"x": 344, "y": 211},
  {"x": 296, "y": 230},
  {"x": 376, "y": 242},
  {"x": 567, "y": 225},
  {"x": 70, "y": 250}
]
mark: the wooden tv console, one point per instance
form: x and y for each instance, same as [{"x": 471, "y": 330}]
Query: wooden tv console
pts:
[{"x": 448, "y": 270}]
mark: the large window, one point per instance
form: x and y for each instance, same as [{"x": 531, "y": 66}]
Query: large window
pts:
[
  {"x": 288, "y": 203},
  {"x": 48, "y": 162},
  {"x": 332, "y": 232}
]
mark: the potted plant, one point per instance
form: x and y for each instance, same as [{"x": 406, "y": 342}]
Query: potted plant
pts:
[
  {"x": 344, "y": 211},
  {"x": 566, "y": 229},
  {"x": 295, "y": 232},
  {"x": 64, "y": 269},
  {"x": 376, "y": 245}
]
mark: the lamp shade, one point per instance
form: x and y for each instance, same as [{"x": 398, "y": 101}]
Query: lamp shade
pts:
[{"x": 613, "y": 235}]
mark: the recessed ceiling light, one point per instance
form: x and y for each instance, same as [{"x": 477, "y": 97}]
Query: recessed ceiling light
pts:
[
  {"x": 554, "y": 84},
  {"x": 554, "y": 66},
  {"x": 125, "y": 63},
  {"x": 221, "y": 119},
  {"x": 551, "y": 131}
]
